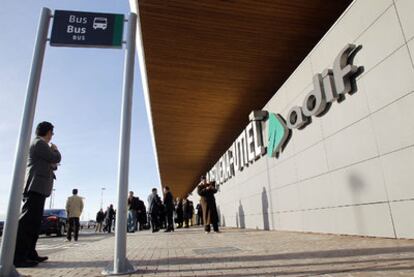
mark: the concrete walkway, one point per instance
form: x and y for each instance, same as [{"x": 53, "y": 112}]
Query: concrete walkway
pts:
[{"x": 235, "y": 252}]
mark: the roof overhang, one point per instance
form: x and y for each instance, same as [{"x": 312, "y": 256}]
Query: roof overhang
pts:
[{"x": 209, "y": 63}]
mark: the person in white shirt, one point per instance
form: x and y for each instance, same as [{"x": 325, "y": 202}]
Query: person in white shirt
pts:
[{"x": 74, "y": 208}]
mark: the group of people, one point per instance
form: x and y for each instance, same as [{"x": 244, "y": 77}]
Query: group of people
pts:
[
  {"x": 163, "y": 214},
  {"x": 105, "y": 221},
  {"x": 184, "y": 211},
  {"x": 169, "y": 213},
  {"x": 137, "y": 213}
]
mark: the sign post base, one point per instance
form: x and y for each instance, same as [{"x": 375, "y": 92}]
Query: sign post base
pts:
[{"x": 125, "y": 270}]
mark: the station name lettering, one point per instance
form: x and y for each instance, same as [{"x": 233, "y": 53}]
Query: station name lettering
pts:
[{"x": 329, "y": 86}]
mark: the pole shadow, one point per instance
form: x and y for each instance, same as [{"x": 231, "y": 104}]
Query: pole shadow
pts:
[
  {"x": 241, "y": 216},
  {"x": 265, "y": 210}
]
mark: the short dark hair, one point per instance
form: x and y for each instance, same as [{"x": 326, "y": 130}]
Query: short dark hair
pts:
[
  {"x": 154, "y": 189},
  {"x": 75, "y": 191},
  {"x": 167, "y": 188},
  {"x": 43, "y": 128}
]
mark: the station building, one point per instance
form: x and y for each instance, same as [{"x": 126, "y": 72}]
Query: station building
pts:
[{"x": 301, "y": 111}]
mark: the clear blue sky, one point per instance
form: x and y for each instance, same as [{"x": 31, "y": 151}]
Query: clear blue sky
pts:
[{"x": 80, "y": 93}]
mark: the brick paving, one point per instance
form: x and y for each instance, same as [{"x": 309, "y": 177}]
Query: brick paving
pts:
[{"x": 190, "y": 252}]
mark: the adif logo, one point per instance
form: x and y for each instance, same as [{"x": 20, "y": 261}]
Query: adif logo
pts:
[
  {"x": 278, "y": 134},
  {"x": 329, "y": 86}
]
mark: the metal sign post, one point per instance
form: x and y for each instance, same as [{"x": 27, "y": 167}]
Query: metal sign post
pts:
[
  {"x": 8, "y": 243},
  {"x": 121, "y": 265}
]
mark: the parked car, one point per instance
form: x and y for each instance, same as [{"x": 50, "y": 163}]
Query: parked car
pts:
[
  {"x": 54, "y": 221},
  {"x": 83, "y": 224},
  {"x": 91, "y": 224},
  {"x": 1, "y": 227}
]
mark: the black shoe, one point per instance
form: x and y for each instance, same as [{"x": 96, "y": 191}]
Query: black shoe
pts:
[
  {"x": 39, "y": 259},
  {"x": 26, "y": 263}
]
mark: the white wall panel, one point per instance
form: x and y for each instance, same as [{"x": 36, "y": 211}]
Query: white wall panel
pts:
[
  {"x": 359, "y": 184},
  {"x": 398, "y": 170},
  {"x": 353, "y": 144},
  {"x": 366, "y": 220},
  {"x": 357, "y": 19},
  {"x": 402, "y": 214},
  {"x": 383, "y": 37},
  {"x": 394, "y": 126},
  {"x": 384, "y": 84},
  {"x": 405, "y": 10}
]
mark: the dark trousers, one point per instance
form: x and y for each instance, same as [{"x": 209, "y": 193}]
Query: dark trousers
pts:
[
  {"x": 215, "y": 227},
  {"x": 199, "y": 219},
  {"x": 108, "y": 226},
  {"x": 29, "y": 226},
  {"x": 154, "y": 222},
  {"x": 73, "y": 227},
  {"x": 170, "y": 222}
]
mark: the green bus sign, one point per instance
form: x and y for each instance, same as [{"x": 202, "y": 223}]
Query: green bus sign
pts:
[{"x": 85, "y": 29}]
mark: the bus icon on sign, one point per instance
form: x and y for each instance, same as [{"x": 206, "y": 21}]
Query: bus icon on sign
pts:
[{"x": 100, "y": 23}]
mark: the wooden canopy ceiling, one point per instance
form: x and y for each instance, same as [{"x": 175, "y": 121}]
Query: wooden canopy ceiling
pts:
[{"x": 211, "y": 62}]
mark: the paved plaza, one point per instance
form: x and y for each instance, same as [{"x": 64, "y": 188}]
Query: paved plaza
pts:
[{"x": 190, "y": 252}]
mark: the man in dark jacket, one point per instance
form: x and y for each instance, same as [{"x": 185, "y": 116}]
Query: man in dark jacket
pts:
[
  {"x": 43, "y": 160},
  {"x": 208, "y": 204},
  {"x": 100, "y": 216},
  {"x": 141, "y": 214},
  {"x": 169, "y": 208},
  {"x": 132, "y": 212},
  {"x": 109, "y": 217},
  {"x": 153, "y": 209}
]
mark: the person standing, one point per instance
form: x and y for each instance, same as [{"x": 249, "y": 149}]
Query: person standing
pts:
[
  {"x": 100, "y": 216},
  {"x": 132, "y": 212},
  {"x": 169, "y": 209},
  {"x": 162, "y": 216},
  {"x": 109, "y": 217},
  {"x": 190, "y": 211},
  {"x": 179, "y": 212},
  {"x": 186, "y": 212},
  {"x": 199, "y": 214},
  {"x": 153, "y": 209},
  {"x": 208, "y": 204},
  {"x": 141, "y": 214},
  {"x": 42, "y": 162},
  {"x": 74, "y": 208}
]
